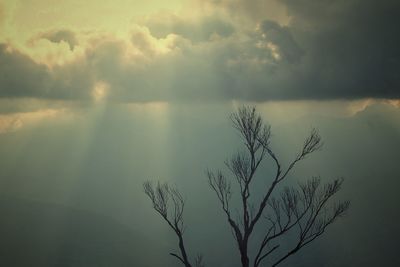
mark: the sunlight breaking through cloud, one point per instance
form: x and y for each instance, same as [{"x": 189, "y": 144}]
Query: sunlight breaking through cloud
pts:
[
  {"x": 14, "y": 121},
  {"x": 100, "y": 91}
]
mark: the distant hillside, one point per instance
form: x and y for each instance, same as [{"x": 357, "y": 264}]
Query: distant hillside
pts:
[{"x": 36, "y": 234}]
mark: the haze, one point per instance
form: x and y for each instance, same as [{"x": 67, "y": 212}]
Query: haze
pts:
[{"x": 98, "y": 96}]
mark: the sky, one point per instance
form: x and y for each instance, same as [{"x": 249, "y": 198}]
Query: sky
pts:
[{"x": 98, "y": 96}]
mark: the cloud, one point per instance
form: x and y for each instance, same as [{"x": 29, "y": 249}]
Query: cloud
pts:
[
  {"x": 246, "y": 11},
  {"x": 22, "y": 77},
  {"x": 5, "y": 14},
  {"x": 195, "y": 29},
  {"x": 2, "y": 16},
  {"x": 330, "y": 50},
  {"x": 15, "y": 121},
  {"x": 281, "y": 37},
  {"x": 58, "y": 36},
  {"x": 351, "y": 48}
]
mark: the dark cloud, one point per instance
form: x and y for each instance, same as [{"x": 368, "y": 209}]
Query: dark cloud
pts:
[
  {"x": 342, "y": 50},
  {"x": 56, "y": 36},
  {"x": 21, "y": 77},
  {"x": 61, "y": 35},
  {"x": 351, "y": 48},
  {"x": 329, "y": 50},
  {"x": 282, "y": 37}
]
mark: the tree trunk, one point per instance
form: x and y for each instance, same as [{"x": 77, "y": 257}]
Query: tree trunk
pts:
[
  {"x": 243, "y": 255},
  {"x": 183, "y": 251}
]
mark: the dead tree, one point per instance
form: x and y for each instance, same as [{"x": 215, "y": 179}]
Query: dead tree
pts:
[
  {"x": 169, "y": 203},
  {"x": 305, "y": 209}
]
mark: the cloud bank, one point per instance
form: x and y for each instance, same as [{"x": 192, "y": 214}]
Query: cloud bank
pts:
[{"x": 218, "y": 51}]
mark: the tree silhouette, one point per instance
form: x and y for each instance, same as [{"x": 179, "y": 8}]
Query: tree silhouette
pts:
[
  {"x": 305, "y": 211},
  {"x": 169, "y": 203}
]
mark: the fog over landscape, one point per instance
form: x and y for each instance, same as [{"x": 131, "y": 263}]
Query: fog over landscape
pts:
[{"x": 96, "y": 98}]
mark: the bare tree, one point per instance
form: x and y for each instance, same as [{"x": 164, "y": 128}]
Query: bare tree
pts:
[
  {"x": 169, "y": 203},
  {"x": 305, "y": 211}
]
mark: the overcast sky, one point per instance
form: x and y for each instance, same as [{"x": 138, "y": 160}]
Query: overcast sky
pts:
[
  {"x": 200, "y": 50},
  {"x": 98, "y": 96}
]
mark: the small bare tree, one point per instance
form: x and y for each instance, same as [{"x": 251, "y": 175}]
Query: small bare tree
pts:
[
  {"x": 169, "y": 203},
  {"x": 305, "y": 211}
]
